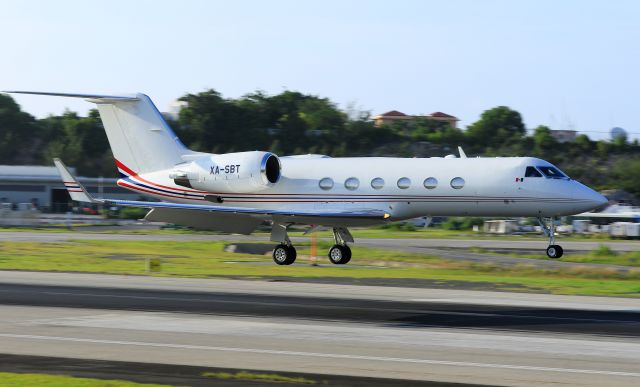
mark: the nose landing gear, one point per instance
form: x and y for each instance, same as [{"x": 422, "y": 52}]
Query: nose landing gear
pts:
[{"x": 553, "y": 251}]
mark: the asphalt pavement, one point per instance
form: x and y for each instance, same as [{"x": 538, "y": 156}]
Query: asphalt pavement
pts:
[{"x": 391, "y": 334}]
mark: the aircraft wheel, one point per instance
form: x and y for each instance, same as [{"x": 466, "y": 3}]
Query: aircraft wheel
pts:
[
  {"x": 554, "y": 251},
  {"x": 339, "y": 255},
  {"x": 348, "y": 254},
  {"x": 284, "y": 255}
]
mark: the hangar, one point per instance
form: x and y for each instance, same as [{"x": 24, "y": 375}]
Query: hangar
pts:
[{"x": 42, "y": 186}]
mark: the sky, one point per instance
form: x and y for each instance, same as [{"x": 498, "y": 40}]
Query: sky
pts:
[{"x": 568, "y": 64}]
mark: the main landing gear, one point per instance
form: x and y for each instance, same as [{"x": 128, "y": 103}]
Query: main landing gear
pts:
[
  {"x": 340, "y": 253},
  {"x": 285, "y": 253},
  {"x": 553, "y": 251}
]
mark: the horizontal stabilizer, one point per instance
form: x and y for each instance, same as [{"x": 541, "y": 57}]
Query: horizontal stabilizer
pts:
[{"x": 95, "y": 97}]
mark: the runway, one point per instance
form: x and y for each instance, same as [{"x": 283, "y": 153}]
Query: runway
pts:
[{"x": 321, "y": 329}]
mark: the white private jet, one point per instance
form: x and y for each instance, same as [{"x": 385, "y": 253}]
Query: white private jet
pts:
[{"x": 236, "y": 192}]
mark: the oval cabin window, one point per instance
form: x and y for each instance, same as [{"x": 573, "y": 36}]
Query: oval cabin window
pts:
[
  {"x": 430, "y": 183},
  {"x": 351, "y": 183},
  {"x": 404, "y": 183},
  {"x": 457, "y": 182},
  {"x": 326, "y": 183},
  {"x": 377, "y": 183}
]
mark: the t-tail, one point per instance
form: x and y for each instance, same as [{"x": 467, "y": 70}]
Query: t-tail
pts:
[{"x": 140, "y": 138}]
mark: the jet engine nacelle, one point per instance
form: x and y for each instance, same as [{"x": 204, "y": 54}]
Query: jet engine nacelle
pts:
[{"x": 230, "y": 172}]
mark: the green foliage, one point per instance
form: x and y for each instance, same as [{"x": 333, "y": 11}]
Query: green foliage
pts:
[
  {"x": 79, "y": 141},
  {"x": 258, "y": 377},
  {"x": 497, "y": 126},
  {"x": 603, "y": 251},
  {"x": 38, "y": 380},
  {"x": 457, "y": 224},
  {"x": 626, "y": 172},
  {"x": 399, "y": 226},
  {"x": 543, "y": 140},
  {"x": 133, "y": 213},
  {"x": 20, "y": 136}
]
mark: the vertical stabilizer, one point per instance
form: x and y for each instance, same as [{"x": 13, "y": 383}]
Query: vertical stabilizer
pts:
[{"x": 140, "y": 138}]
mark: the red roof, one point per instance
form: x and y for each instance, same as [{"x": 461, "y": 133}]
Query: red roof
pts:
[
  {"x": 441, "y": 115},
  {"x": 393, "y": 113}
]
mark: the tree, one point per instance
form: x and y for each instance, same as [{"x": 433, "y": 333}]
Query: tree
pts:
[
  {"x": 80, "y": 142},
  {"x": 20, "y": 136},
  {"x": 626, "y": 174},
  {"x": 496, "y": 126},
  {"x": 583, "y": 143},
  {"x": 542, "y": 139}
]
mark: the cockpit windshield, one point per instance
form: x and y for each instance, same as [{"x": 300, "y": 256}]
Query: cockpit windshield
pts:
[
  {"x": 532, "y": 172},
  {"x": 552, "y": 172}
]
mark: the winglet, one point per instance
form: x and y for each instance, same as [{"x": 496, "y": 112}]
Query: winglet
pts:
[
  {"x": 461, "y": 152},
  {"x": 75, "y": 189}
]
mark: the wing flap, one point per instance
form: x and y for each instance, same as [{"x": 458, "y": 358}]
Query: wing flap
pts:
[{"x": 200, "y": 220}]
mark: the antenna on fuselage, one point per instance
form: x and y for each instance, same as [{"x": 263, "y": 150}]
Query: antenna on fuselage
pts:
[{"x": 461, "y": 153}]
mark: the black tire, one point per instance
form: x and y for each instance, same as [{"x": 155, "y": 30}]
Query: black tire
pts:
[
  {"x": 293, "y": 254},
  {"x": 554, "y": 251},
  {"x": 339, "y": 255},
  {"x": 347, "y": 257},
  {"x": 284, "y": 255}
]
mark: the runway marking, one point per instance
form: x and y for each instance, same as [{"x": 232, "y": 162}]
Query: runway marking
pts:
[
  {"x": 214, "y": 300},
  {"x": 326, "y": 355}
]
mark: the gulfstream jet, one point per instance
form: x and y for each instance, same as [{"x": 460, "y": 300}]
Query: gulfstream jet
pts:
[{"x": 236, "y": 192}]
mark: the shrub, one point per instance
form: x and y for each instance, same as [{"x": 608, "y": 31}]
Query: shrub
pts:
[
  {"x": 461, "y": 223},
  {"x": 132, "y": 213},
  {"x": 603, "y": 251}
]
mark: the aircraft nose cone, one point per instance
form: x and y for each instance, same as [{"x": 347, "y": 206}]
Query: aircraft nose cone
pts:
[{"x": 588, "y": 199}]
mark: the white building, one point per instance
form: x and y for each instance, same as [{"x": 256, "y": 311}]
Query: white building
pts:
[{"x": 42, "y": 186}]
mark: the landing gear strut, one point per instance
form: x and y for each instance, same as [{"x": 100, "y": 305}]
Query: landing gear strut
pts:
[
  {"x": 340, "y": 253},
  {"x": 284, "y": 253},
  {"x": 553, "y": 251}
]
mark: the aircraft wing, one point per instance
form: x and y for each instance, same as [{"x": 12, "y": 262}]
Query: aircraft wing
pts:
[
  {"x": 220, "y": 217},
  {"x": 376, "y": 214}
]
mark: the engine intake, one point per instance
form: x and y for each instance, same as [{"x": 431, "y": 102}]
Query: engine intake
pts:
[{"x": 270, "y": 168}]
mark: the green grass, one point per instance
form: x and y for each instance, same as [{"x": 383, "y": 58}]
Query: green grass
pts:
[
  {"x": 208, "y": 260},
  {"x": 378, "y": 233},
  {"x": 252, "y": 376},
  {"x": 36, "y": 380},
  {"x": 603, "y": 254}
]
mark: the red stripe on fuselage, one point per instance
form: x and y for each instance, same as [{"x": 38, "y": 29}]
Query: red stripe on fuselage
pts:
[
  {"x": 133, "y": 187},
  {"x": 136, "y": 176}
]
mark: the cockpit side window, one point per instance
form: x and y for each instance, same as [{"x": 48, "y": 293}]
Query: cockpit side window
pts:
[
  {"x": 552, "y": 172},
  {"x": 532, "y": 172}
]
